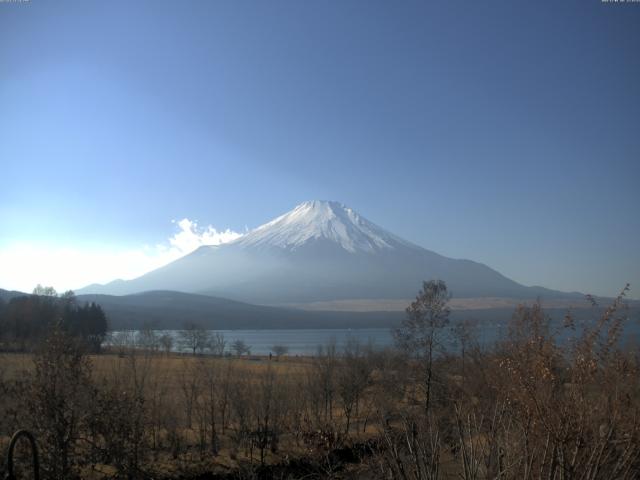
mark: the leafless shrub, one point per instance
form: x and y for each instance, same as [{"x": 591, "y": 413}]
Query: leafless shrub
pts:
[
  {"x": 58, "y": 401},
  {"x": 352, "y": 378}
]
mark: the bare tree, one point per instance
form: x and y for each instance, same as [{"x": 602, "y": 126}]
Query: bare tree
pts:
[
  {"x": 353, "y": 377},
  {"x": 59, "y": 402},
  {"x": 463, "y": 335},
  {"x": 212, "y": 388},
  {"x": 218, "y": 344},
  {"x": 270, "y": 408},
  {"x": 119, "y": 421},
  {"x": 147, "y": 338},
  {"x": 194, "y": 337},
  {"x": 189, "y": 388},
  {"x": 420, "y": 332},
  {"x": 122, "y": 341},
  {"x": 240, "y": 348},
  {"x": 324, "y": 377},
  {"x": 166, "y": 342},
  {"x": 280, "y": 350}
]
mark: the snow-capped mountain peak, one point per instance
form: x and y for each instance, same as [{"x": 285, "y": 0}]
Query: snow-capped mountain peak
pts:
[
  {"x": 321, "y": 220},
  {"x": 319, "y": 251}
]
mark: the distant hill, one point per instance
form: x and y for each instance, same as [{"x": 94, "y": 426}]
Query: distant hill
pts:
[
  {"x": 171, "y": 310},
  {"x": 321, "y": 251},
  {"x": 7, "y": 295}
]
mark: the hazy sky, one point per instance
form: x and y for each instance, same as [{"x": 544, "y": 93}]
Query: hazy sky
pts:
[{"x": 506, "y": 132}]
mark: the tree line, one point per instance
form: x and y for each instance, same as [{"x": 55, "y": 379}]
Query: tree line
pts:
[
  {"x": 192, "y": 338},
  {"x": 26, "y": 320}
]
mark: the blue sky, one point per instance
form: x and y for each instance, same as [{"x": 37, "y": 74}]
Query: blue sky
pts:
[{"x": 504, "y": 132}]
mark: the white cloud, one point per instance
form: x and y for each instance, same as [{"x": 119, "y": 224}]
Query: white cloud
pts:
[
  {"x": 191, "y": 236},
  {"x": 24, "y": 265}
]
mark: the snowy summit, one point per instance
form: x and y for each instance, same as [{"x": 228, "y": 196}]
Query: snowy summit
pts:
[{"x": 322, "y": 220}]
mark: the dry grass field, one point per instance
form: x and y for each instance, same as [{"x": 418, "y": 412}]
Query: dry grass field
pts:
[
  {"x": 528, "y": 407},
  {"x": 173, "y": 387}
]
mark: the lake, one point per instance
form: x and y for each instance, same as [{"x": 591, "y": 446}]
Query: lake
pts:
[{"x": 306, "y": 341}]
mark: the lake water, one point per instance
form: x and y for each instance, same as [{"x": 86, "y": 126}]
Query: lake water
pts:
[
  {"x": 306, "y": 341},
  {"x": 299, "y": 341}
]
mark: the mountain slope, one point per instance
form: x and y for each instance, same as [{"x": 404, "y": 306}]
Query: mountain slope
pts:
[{"x": 320, "y": 251}]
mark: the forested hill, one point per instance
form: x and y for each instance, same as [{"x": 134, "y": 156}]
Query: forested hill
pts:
[{"x": 6, "y": 295}]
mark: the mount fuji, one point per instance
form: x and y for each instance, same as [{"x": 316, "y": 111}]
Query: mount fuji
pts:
[{"x": 320, "y": 251}]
